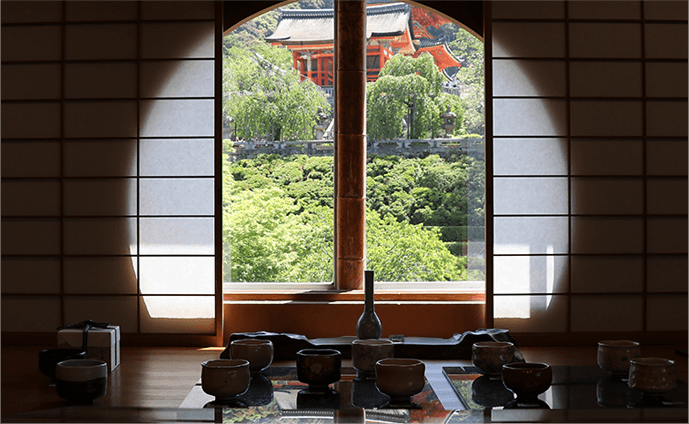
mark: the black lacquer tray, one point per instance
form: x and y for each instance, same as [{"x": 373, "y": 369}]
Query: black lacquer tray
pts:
[{"x": 573, "y": 387}]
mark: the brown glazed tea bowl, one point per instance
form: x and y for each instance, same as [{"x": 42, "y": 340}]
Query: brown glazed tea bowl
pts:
[
  {"x": 319, "y": 368},
  {"x": 652, "y": 376},
  {"x": 489, "y": 357},
  {"x": 614, "y": 356},
  {"x": 81, "y": 380},
  {"x": 527, "y": 379},
  {"x": 225, "y": 378},
  {"x": 400, "y": 379},
  {"x": 365, "y": 354},
  {"x": 258, "y": 352}
]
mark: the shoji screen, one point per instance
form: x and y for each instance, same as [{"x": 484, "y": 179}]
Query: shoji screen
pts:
[
  {"x": 108, "y": 166},
  {"x": 590, "y": 166}
]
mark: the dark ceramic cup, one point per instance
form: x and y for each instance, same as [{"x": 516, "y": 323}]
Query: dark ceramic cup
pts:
[
  {"x": 527, "y": 379},
  {"x": 49, "y": 358},
  {"x": 81, "y": 380},
  {"x": 319, "y": 368}
]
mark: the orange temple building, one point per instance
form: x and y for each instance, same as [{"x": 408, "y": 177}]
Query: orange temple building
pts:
[{"x": 391, "y": 28}]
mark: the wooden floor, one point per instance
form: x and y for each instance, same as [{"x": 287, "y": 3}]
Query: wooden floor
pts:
[{"x": 163, "y": 377}]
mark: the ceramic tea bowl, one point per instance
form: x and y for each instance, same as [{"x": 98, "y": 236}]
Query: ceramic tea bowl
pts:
[
  {"x": 527, "y": 379},
  {"x": 319, "y": 368},
  {"x": 49, "y": 358},
  {"x": 258, "y": 352},
  {"x": 81, "y": 380},
  {"x": 489, "y": 357},
  {"x": 652, "y": 376},
  {"x": 225, "y": 378},
  {"x": 365, "y": 354},
  {"x": 614, "y": 356},
  {"x": 400, "y": 379}
]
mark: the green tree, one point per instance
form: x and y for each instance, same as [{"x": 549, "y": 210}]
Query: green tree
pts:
[
  {"x": 471, "y": 78},
  {"x": 265, "y": 96},
  {"x": 408, "y": 86}
]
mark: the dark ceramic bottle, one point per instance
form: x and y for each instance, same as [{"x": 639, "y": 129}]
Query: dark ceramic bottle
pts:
[{"x": 368, "y": 326}]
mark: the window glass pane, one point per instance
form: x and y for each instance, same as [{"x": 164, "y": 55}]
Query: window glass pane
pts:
[
  {"x": 531, "y": 235},
  {"x": 100, "y": 158},
  {"x": 100, "y": 236},
  {"x": 100, "y": 119},
  {"x": 604, "y": 40},
  {"x": 177, "y": 236},
  {"x": 609, "y": 274},
  {"x": 667, "y": 235},
  {"x": 607, "y": 196},
  {"x": 607, "y": 235},
  {"x": 177, "y": 275},
  {"x": 529, "y": 156},
  {"x": 31, "y": 43},
  {"x": 176, "y": 196},
  {"x": 529, "y": 78},
  {"x": 605, "y": 79},
  {"x": 31, "y": 11},
  {"x": 605, "y": 10},
  {"x": 665, "y": 10},
  {"x": 29, "y": 314},
  {"x": 666, "y": 40},
  {"x": 177, "y": 10},
  {"x": 100, "y": 197},
  {"x": 667, "y": 273},
  {"x": 530, "y": 274},
  {"x": 667, "y": 119},
  {"x": 528, "y": 9},
  {"x": 114, "y": 275},
  {"x": 529, "y": 117},
  {"x": 667, "y": 313},
  {"x": 667, "y": 196},
  {"x": 35, "y": 275},
  {"x": 518, "y": 196},
  {"x": 30, "y": 158},
  {"x": 37, "y": 198},
  {"x": 30, "y": 81},
  {"x": 606, "y": 157},
  {"x": 607, "y": 313},
  {"x": 171, "y": 314},
  {"x": 100, "y": 80},
  {"x": 100, "y": 11},
  {"x": 30, "y": 237},
  {"x": 606, "y": 118},
  {"x": 666, "y": 79},
  {"x": 528, "y": 39},
  {"x": 185, "y": 157},
  {"x": 177, "y": 118},
  {"x": 530, "y": 314},
  {"x": 98, "y": 42},
  {"x": 19, "y": 120},
  {"x": 187, "y": 78},
  {"x": 117, "y": 310},
  {"x": 666, "y": 157},
  {"x": 177, "y": 40}
]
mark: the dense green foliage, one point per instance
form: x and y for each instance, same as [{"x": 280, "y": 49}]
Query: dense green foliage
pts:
[
  {"x": 265, "y": 97},
  {"x": 471, "y": 78},
  {"x": 409, "y": 89},
  {"x": 278, "y": 216}
]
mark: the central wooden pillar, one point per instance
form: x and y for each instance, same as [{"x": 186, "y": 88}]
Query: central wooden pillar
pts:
[{"x": 350, "y": 143}]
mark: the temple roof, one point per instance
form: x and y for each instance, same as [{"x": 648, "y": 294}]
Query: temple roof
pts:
[
  {"x": 442, "y": 54},
  {"x": 315, "y": 26}
]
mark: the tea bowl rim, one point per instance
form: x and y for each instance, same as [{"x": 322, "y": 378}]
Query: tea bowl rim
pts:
[
  {"x": 394, "y": 362},
  {"x": 251, "y": 342},
  {"x": 523, "y": 366},
  {"x": 492, "y": 344},
  {"x": 618, "y": 343},
  {"x": 372, "y": 342},
  {"x": 652, "y": 361},
  {"x": 311, "y": 352},
  {"x": 225, "y": 363}
]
